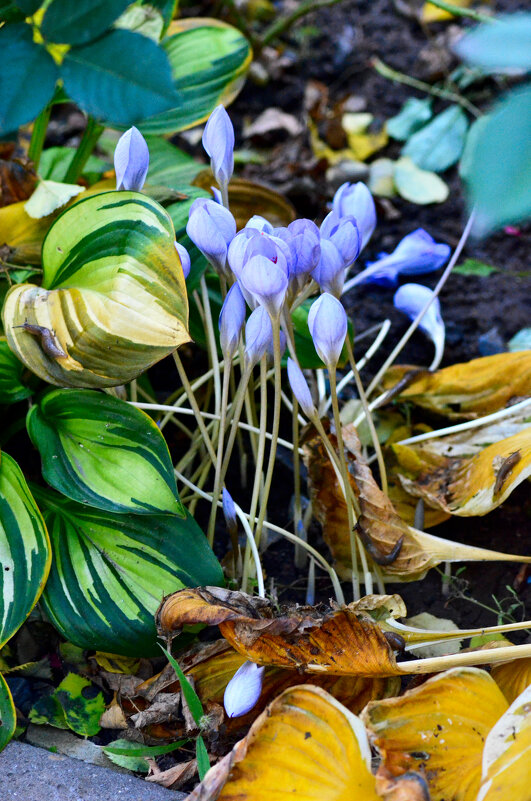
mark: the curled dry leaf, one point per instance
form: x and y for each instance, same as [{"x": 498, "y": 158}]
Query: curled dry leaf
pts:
[
  {"x": 439, "y": 729},
  {"x": 17, "y": 176},
  {"x": 467, "y": 390},
  {"x": 173, "y": 777},
  {"x": 465, "y": 486},
  {"x": 380, "y": 528}
]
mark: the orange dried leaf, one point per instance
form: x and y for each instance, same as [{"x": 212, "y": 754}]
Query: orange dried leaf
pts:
[
  {"x": 439, "y": 729},
  {"x": 467, "y": 390}
]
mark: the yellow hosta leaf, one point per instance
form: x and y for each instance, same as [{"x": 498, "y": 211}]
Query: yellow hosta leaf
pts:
[
  {"x": 439, "y": 728},
  {"x": 304, "y": 746},
  {"x": 512, "y": 677},
  {"x": 467, "y": 390},
  {"x": 465, "y": 486},
  {"x": 505, "y": 775},
  {"x": 22, "y": 234}
]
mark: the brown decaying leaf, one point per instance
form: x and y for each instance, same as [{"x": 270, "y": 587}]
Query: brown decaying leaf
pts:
[
  {"x": 174, "y": 777},
  {"x": 468, "y": 390},
  {"x": 379, "y": 525},
  {"x": 17, "y": 176}
]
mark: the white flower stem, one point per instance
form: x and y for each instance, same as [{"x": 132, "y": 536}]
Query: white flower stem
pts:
[
  {"x": 193, "y": 403},
  {"x": 219, "y": 457}
]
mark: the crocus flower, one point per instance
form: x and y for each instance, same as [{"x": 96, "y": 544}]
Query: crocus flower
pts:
[
  {"x": 243, "y": 690},
  {"x": 411, "y": 299},
  {"x": 344, "y": 233},
  {"x": 266, "y": 281},
  {"x": 301, "y": 390},
  {"x": 306, "y": 243},
  {"x": 231, "y": 321},
  {"x": 218, "y": 141},
  {"x": 229, "y": 512},
  {"x": 330, "y": 272},
  {"x": 356, "y": 201},
  {"x": 327, "y": 321},
  {"x": 211, "y": 228},
  {"x": 131, "y": 160},
  {"x": 416, "y": 254},
  {"x": 185, "y": 259},
  {"x": 251, "y": 242},
  {"x": 260, "y": 223},
  {"x": 258, "y": 335}
]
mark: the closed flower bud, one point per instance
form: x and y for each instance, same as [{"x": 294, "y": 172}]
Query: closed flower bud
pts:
[
  {"x": 327, "y": 321},
  {"x": 229, "y": 512},
  {"x": 218, "y": 141},
  {"x": 211, "y": 228},
  {"x": 355, "y": 200},
  {"x": 411, "y": 299},
  {"x": 266, "y": 281},
  {"x": 231, "y": 321},
  {"x": 307, "y": 245},
  {"x": 185, "y": 259},
  {"x": 131, "y": 161},
  {"x": 344, "y": 233},
  {"x": 330, "y": 272},
  {"x": 301, "y": 390},
  {"x": 258, "y": 335},
  {"x": 243, "y": 690},
  {"x": 260, "y": 224}
]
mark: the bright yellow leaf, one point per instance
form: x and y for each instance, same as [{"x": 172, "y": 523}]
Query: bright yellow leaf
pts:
[{"x": 512, "y": 677}]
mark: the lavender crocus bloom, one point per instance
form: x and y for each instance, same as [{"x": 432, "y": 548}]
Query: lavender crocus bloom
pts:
[
  {"x": 231, "y": 321},
  {"x": 218, "y": 141},
  {"x": 416, "y": 254},
  {"x": 344, "y": 233},
  {"x": 267, "y": 282},
  {"x": 355, "y": 200},
  {"x": 327, "y": 321},
  {"x": 301, "y": 390},
  {"x": 330, "y": 272},
  {"x": 306, "y": 243},
  {"x": 229, "y": 511},
  {"x": 243, "y": 690},
  {"x": 185, "y": 259},
  {"x": 131, "y": 160},
  {"x": 258, "y": 335},
  {"x": 211, "y": 228},
  {"x": 260, "y": 223},
  {"x": 411, "y": 299}
]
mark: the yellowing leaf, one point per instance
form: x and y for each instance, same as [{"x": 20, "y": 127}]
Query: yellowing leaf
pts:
[
  {"x": 512, "y": 677},
  {"x": 419, "y": 186},
  {"x": 22, "y": 233},
  {"x": 305, "y": 746},
  {"x": 439, "y": 728},
  {"x": 467, "y": 390},
  {"x": 50, "y": 196},
  {"x": 505, "y": 775},
  {"x": 431, "y": 13},
  {"x": 115, "y": 663},
  {"x": 361, "y": 142},
  {"x": 466, "y": 486}
]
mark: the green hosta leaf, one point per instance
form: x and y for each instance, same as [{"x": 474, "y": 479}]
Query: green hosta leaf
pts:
[
  {"x": 24, "y": 549},
  {"x": 412, "y": 116},
  {"x": 440, "y": 143},
  {"x": 208, "y": 60},
  {"x": 475, "y": 267},
  {"x": 498, "y": 164},
  {"x": 79, "y": 22},
  {"x": 8, "y": 715},
  {"x": 27, "y": 77},
  {"x": 12, "y": 387},
  {"x": 76, "y": 704},
  {"x": 110, "y": 572},
  {"x": 500, "y": 46},
  {"x": 55, "y": 161},
  {"x": 29, "y": 6},
  {"x": 170, "y": 166},
  {"x": 144, "y": 19},
  {"x": 113, "y": 299},
  {"x": 101, "y": 451},
  {"x": 419, "y": 186},
  {"x": 121, "y": 78}
]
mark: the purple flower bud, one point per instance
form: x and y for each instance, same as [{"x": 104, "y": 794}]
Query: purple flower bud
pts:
[
  {"x": 231, "y": 321},
  {"x": 355, "y": 200},
  {"x": 258, "y": 335},
  {"x": 218, "y": 141},
  {"x": 267, "y": 282},
  {"x": 416, "y": 254},
  {"x": 343, "y": 232},
  {"x": 306, "y": 243},
  {"x": 131, "y": 160},
  {"x": 217, "y": 195},
  {"x": 185, "y": 259},
  {"x": 330, "y": 272},
  {"x": 327, "y": 321},
  {"x": 211, "y": 228},
  {"x": 229, "y": 511},
  {"x": 411, "y": 299},
  {"x": 301, "y": 390},
  {"x": 243, "y": 690},
  {"x": 260, "y": 224}
]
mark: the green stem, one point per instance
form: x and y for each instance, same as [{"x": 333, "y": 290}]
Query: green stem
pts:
[
  {"x": 393, "y": 75},
  {"x": 457, "y": 11},
  {"x": 279, "y": 27},
  {"x": 38, "y": 135},
  {"x": 88, "y": 142}
]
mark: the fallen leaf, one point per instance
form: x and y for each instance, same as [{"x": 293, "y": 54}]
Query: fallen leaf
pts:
[
  {"x": 176, "y": 776},
  {"x": 427, "y": 621},
  {"x": 412, "y": 116},
  {"x": 438, "y": 729},
  {"x": 272, "y": 120},
  {"x": 165, "y": 708},
  {"x": 467, "y": 390},
  {"x": 381, "y": 178},
  {"x": 512, "y": 677},
  {"x": 419, "y": 186},
  {"x": 113, "y": 717},
  {"x": 50, "y": 196},
  {"x": 431, "y": 13},
  {"x": 439, "y": 144},
  {"x": 17, "y": 177}
]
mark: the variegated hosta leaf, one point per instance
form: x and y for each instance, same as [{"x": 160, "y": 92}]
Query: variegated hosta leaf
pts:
[
  {"x": 12, "y": 387},
  {"x": 113, "y": 299},
  {"x": 8, "y": 715},
  {"x": 110, "y": 572},
  {"x": 102, "y": 451},
  {"x": 25, "y": 552}
]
